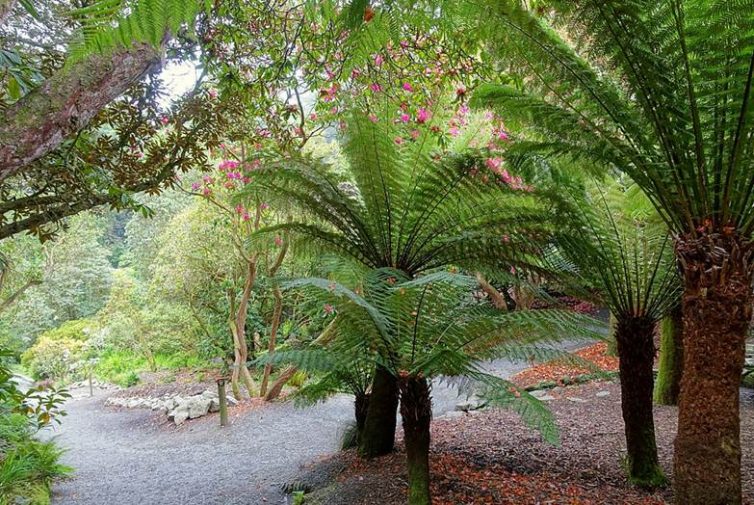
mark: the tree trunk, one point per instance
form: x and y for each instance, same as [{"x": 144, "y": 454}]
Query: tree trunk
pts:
[
  {"x": 636, "y": 350},
  {"x": 378, "y": 437},
  {"x": 416, "y": 413},
  {"x": 717, "y": 298},
  {"x": 668, "y": 385},
  {"x": 277, "y": 312},
  {"x": 360, "y": 407},
  {"x": 282, "y": 380},
  {"x": 67, "y": 101}
]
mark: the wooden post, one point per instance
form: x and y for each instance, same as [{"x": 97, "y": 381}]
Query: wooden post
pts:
[
  {"x": 223, "y": 402},
  {"x": 91, "y": 389}
]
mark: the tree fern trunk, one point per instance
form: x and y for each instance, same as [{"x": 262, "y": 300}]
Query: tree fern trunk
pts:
[
  {"x": 378, "y": 437},
  {"x": 668, "y": 385},
  {"x": 717, "y": 298},
  {"x": 635, "y": 339},
  {"x": 416, "y": 413},
  {"x": 360, "y": 406}
]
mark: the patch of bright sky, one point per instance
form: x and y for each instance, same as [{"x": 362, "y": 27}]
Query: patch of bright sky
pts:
[{"x": 179, "y": 78}]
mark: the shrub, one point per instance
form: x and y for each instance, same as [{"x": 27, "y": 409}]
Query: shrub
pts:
[{"x": 54, "y": 358}]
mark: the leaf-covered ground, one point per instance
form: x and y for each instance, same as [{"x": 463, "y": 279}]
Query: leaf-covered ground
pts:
[
  {"x": 559, "y": 371},
  {"x": 490, "y": 457}
]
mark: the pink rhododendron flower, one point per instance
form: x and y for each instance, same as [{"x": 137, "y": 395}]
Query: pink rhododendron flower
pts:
[
  {"x": 398, "y": 140},
  {"x": 407, "y": 86},
  {"x": 164, "y": 120},
  {"x": 405, "y": 118},
  {"x": 355, "y": 73},
  {"x": 375, "y": 87},
  {"x": 494, "y": 164},
  {"x": 328, "y": 309},
  {"x": 213, "y": 93},
  {"x": 513, "y": 270},
  {"x": 378, "y": 59},
  {"x": 461, "y": 91},
  {"x": 208, "y": 180},
  {"x": 313, "y": 116},
  {"x": 422, "y": 116},
  {"x": 278, "y": 240},
  {"x": 373, "y": 118},
  {"x": 207, "y": 191},
  {"x": 246, "y": 179},
  {"x": 506, "y": 238},
  {"x": 239, "y": 209},
  {"x": 246, "y": 216},
  {"x": 264, "y": 206},
  {"x": 415, "y": 134},
  {"x": 195, "y": 186},
  {"x": 454, "y": 131},
  {"x": 506, "y": 177},
  {"x": 404, "y": 44}
]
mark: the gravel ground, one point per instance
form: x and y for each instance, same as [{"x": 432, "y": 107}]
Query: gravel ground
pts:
[{"x": 126, "y": 457}]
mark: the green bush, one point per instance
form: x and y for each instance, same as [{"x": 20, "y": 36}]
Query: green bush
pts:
[
  {"x": 748, "y": 381},
  {"x": 54, "y": 358},
  {"x": 122, "y": 367}
]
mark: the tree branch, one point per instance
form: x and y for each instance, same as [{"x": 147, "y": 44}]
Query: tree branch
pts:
[{"x": 66, "y": 102}]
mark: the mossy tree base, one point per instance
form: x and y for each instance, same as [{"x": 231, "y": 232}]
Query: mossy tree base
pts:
[{"x": 377, "y": 438}]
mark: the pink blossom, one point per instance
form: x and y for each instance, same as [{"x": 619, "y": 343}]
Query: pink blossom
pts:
[
  {"x": 264, "y": 206},
  {"x": 506, "y": 238},
  {"x": 195, "y": 186},
  {"x": 239, "y": 209},
  {"x": 207, "y": 191},
  {"x": 373, "y": 118},
  {"x": 246, "y": 179},
  {"x": 213, "y": 93},
  {"x": 378, "y": 59},
  {"x": 355, "y": 73},
  {"x": 208, "y": 180},
  {"x": 278, "y": 240},
  {"x": 245, "y": 216},
  {"x": 405, "y": 118},
  {"x": 463, "y": 110},
  {"x": 328, "y": 309},
  {"x": 407, "y": 86},
  {"x": 398, "y": 140},
  {"x": 422, "y": 116},
  {"x": 461, "y": 91},
  {"x": 494, "y": 164},
  {"x": 415, "y": 134},
  {"x": 506, "y": 177},
  {"x": 228, "y": 165},
  {"x": 164, "y": 120},
  {"x": 404, "y": 44},
  {"x": 375, "y": 87},
  {"x": 454, "y": 131},
  {"x": 513, "y": 270},
  {"x": 313, "y": 116}
]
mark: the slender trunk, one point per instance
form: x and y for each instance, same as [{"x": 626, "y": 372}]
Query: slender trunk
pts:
[
  {"x": 612, "y": 345},
  {"x": 668, "y": 386},
  {"x": 378, "y": 437},
  {"x": 636, "y": 350},
  {"x": 282, "y": 380},
  {"x": 416, "y": 413},
  {"x": 360, "y": 407},
  {"x": 240, "y": 325},
  {"x": 717, "y": 298},
  {"x": 277, "y": 312}
]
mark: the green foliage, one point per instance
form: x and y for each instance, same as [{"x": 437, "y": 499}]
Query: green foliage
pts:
[
  {"x": 432, "y": 326},
  {"x": 660, "y": 90},
  {"x": 55, "y": 359},
  {"x": 108, "y": 24}
]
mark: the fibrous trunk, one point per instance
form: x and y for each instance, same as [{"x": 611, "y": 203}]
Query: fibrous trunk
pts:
[
  {"x": 635, "y": 339},
  {"x": 717, "y": 300},
  {"x": 668, "y": 385},
  {"x": 378, "y": 437},
  {"x": 360, "y": 407},
  {"x": 416, "y": 413}
]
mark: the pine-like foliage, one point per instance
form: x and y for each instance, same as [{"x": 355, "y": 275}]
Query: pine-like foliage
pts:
[
  {"x": 659, "y": 89},
  {"x": 618, "y": 250},
  {"x": 410, "y": 207},
  {"x": 433, "y": 327},
  {"x": 108, "y": 24}
]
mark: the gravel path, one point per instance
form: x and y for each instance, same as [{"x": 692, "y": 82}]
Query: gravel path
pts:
[{"x": 128, "y": 457}]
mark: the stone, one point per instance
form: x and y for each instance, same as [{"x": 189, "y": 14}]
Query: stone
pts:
[
  {"x": 546, "y": 398},
  {"x": 134, "y": 403},
  {"x": 539, "y": 393},
  {"x": 602, "y": 394},
  {"x": 179, "y": 414},
  {"x": 214, "y": 405},
  {"x": 198, "y": 406},
  {"x": 576, "y": 399}
]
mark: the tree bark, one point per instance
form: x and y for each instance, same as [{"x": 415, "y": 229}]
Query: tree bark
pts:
[
  {"x": 378, "y": 437},
  {"x": 66, "y": 102},
  {"x": 416, "y": 413},
  {"x": 717, "y": 298},
  {"x": 668, "y": 385},
  {"x": 360, "y": 407},
  {"x": 277, "y": 386},
  {"x": 636, "y": 350},
  {"x": 277, "y": 312}
]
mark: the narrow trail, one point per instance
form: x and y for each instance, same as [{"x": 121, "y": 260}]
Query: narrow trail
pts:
[{"x": 134, "y": 457}]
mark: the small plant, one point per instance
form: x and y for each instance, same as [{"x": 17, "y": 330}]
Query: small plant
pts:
[{"x": 298, "y": 498}]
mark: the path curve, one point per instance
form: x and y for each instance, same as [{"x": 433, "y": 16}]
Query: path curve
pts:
[{"x": 134, "y": 457}]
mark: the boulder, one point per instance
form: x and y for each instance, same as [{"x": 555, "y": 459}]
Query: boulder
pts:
[
  {"x": 179, "y": 414},
  {"x": 198, "y": 406}
]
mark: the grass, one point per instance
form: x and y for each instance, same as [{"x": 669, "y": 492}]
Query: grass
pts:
[{"x": 123, "y": 367}]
